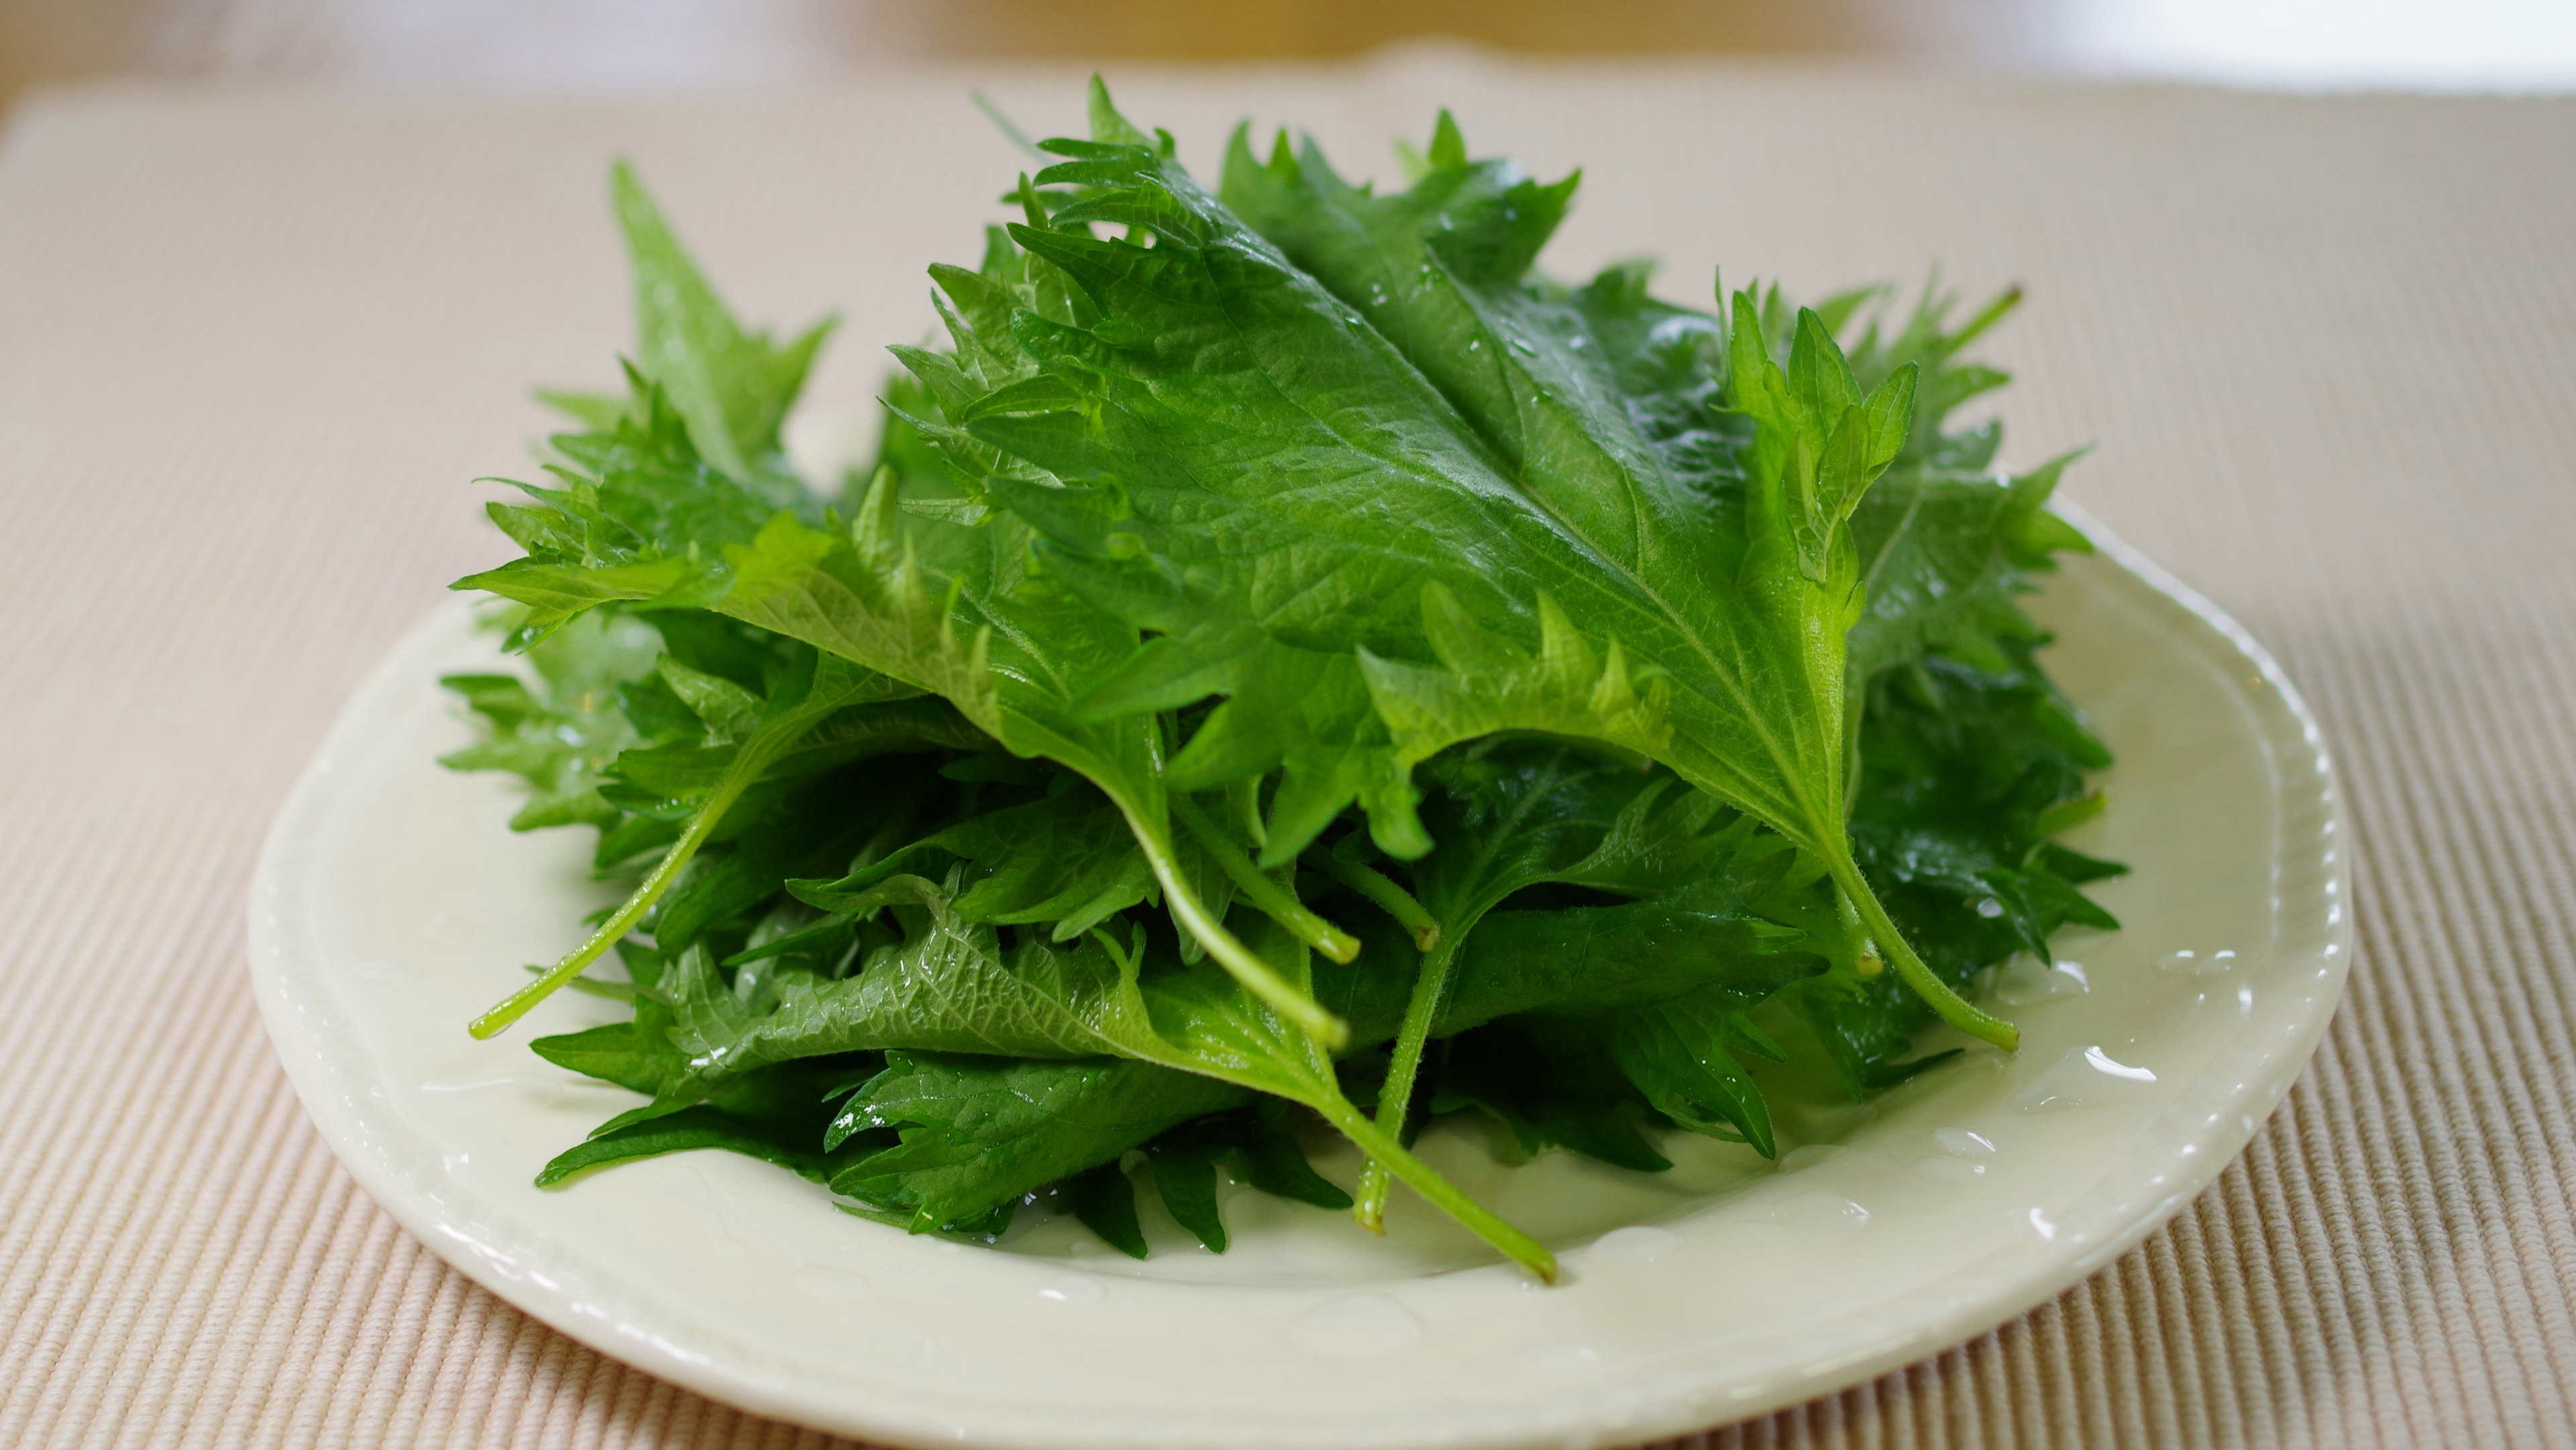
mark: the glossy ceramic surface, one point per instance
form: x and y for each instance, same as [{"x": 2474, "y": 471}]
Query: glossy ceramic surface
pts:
[{"x": 391, "y": 906}]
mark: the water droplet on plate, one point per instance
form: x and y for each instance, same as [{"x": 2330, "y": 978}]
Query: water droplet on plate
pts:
[
  {"x": 2026, "y": 980},
  {"x": 538, "y": 1092},
  {"x": 1361, "y": 1326},
  {"x": 2085, "y": 1077},
  {"x": 466, "y": 1087},
  {"x": 1641, "y": 1243},
  {"x": 1073, "y": 1289},
  {"x": 1961, "y": 1143},
  {"x": 1820, "y": 1210},
  {"x": 2189, "y": 963},
  {"x": 722, "y": 1241}
]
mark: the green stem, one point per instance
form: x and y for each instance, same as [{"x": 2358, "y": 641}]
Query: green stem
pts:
[
  {"x": 1403, "y": 1066},
  {"x": 1241, "y": 962},
  {"x": 1382, "y": 1147},
  {"x": 1368, "y": 1199},
  {"x": 1865, "y": 960},
  {"x": 1243, "y": 801},
  {"x": 748, "y": 762},
  {"x": 1389, "y": 897},
  {"x": 1994, "y": 312},
  {"x": 1953, "y": 1008},
  {"x": 1264, "y": 893}
]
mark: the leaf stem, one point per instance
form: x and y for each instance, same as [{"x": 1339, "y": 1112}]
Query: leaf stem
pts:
[
  {"x": 1241, "y": 962},
  {"x": 748, "y": 763},
  {"x": 1953, "y": 1008},
  {"x": 1381, "y": 1147},
  {"x": 1395, "y": 1099},
  {"x": 1397, "y": 902},
  {"x": 1260, "y": 890}
]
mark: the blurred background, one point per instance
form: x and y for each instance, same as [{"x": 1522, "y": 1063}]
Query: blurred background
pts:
[{"x": 629, "y": 45}]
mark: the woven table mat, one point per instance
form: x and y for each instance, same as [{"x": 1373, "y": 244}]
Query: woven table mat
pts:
[{"x": 255, "y": 346}]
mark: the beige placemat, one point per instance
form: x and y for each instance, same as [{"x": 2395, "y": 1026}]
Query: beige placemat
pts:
[{"x": 254, "y": 347}]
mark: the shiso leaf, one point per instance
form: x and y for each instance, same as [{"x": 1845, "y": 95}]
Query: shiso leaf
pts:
[{"x": 1601, "y": 684}]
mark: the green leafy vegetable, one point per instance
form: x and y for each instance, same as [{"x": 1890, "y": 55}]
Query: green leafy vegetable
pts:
[
  {"x": 980, "y": 1132},
  {"x": 1292, "y": 666}
]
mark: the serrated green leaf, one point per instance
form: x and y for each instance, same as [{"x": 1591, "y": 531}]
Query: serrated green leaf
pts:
[
  {"x": 1305, "y": 498},
  {"x": 1068, "y": 861},
  {"x": 732, "y": 387},
  {"x": 681, "y": 1132},
  {"x": 1269, "y": 421},
  {"x": 981, "y": 1132},
  {"x": 730, "y": 711}
]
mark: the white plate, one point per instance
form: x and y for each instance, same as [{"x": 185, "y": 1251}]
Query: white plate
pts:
[{"x": 391, "y": 906}]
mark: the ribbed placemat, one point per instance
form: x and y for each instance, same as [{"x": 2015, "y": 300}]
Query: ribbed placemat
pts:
[{"x": 255, "y": 347}]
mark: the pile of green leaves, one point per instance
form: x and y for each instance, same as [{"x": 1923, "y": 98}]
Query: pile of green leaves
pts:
[{"x": 1292, "y": 661}]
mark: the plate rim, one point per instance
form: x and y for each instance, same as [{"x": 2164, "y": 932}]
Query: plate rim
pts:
[{"x": 1674, "y": 1401}]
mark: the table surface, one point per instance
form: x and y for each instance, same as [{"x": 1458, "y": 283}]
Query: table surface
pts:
[
  {"x": 256, "y": 345},
  {"x": 584, "y": 45}
]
